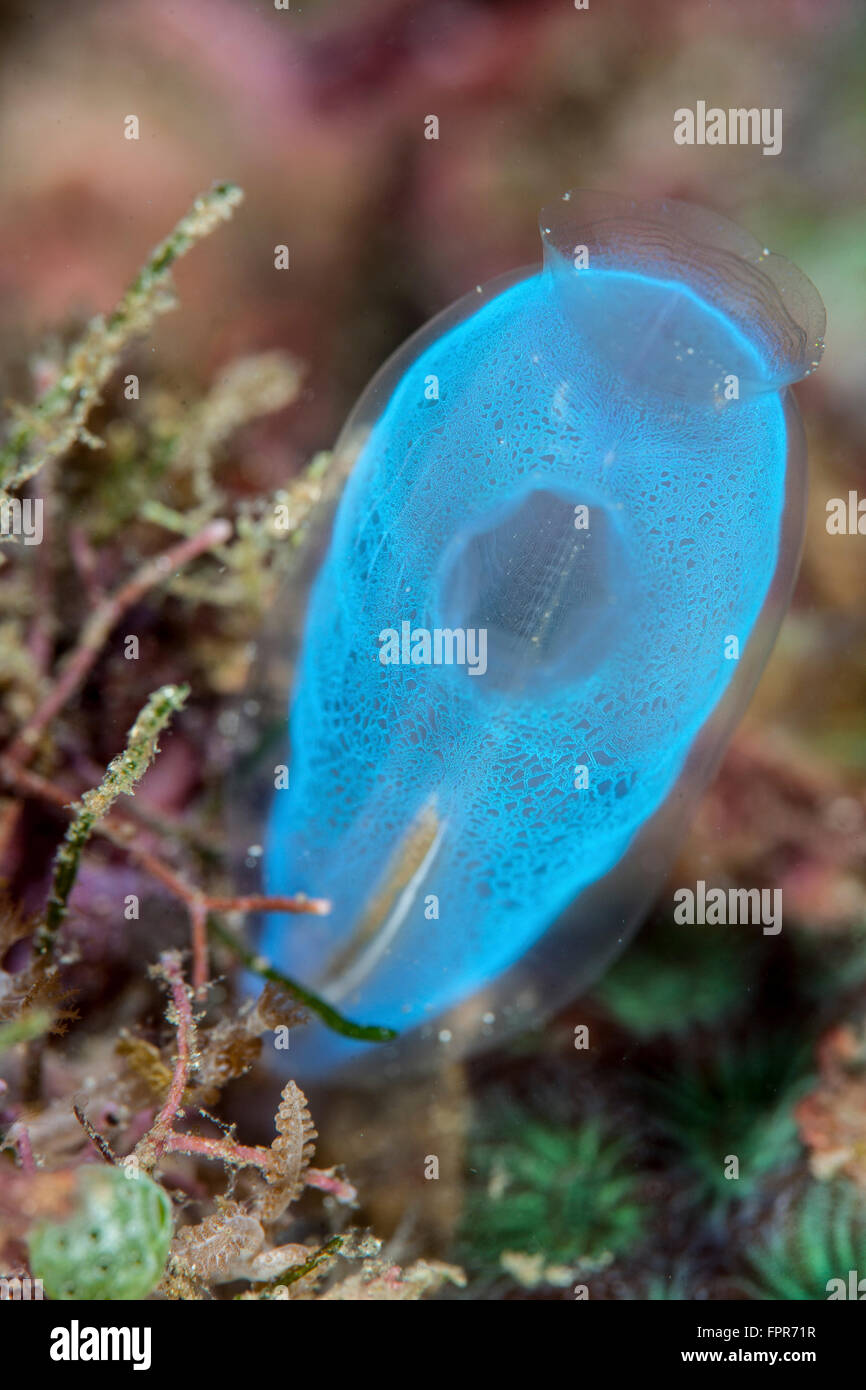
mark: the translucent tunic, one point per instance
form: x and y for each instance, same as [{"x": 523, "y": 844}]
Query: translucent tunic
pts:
[{"x": 555, "y": 572}]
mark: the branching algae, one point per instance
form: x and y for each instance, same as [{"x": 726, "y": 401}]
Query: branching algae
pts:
[{"x": 556, "y": 571}]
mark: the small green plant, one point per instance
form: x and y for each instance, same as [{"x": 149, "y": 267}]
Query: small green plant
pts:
[
  {"x": 562, "y": 1192},
  {"x": 736, "y": 1105},
  {"x": 115, "y": 1243},
  {"x": 674, "y": 980},
  {"x": 660, "y": 1288},
  {"x": 822, "y": 1238}
]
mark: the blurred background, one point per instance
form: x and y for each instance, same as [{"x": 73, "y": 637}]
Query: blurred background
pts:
[{"x": 319, "y": 113}]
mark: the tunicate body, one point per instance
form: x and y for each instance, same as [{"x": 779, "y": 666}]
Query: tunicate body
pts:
[{"x": 585, "y": 486}]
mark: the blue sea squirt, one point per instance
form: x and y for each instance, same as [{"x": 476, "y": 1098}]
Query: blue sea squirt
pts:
[{"x": 568, "y": 538}]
